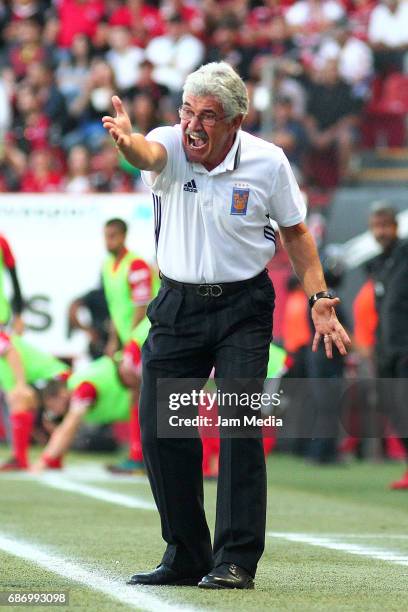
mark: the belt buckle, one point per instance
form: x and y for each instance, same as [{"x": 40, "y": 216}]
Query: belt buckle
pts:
[
  {"x": 215, "y": 290},
  {"x": 209, "y": 290},
  {"x": 203, "y": 290}
]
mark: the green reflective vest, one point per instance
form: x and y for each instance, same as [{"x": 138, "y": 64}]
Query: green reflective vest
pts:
[
  {"x": 141, "y": 331},
  {"x": 5, "y": 309},
  {"x": 119, "y": 298},
  {"x": 38, "y": 366},
  {"x": 112, "y": 399},
  {"x": 118, "y": 294},
  {"x": 276, "y": 363}
]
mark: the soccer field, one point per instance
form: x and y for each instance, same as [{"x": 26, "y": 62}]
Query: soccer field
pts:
[{"x": 337, "y": 540}]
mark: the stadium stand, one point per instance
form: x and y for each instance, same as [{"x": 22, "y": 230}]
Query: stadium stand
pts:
[{"x": 57, "y": 75}]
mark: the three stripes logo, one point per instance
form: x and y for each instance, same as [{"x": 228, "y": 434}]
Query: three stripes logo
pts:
[
  {"x": 190, "y": 186},
  {"x": 269, "y": 233}
]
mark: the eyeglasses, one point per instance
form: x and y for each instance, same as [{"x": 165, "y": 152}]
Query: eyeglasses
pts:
[{"x": 205, "y": 118}]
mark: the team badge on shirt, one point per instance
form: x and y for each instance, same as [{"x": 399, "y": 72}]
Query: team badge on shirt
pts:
[{"x": 239, "y": 202}]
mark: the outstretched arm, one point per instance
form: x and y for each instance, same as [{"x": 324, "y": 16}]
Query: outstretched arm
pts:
[
  {"x": 60, "y": 440},
  {"x": 138, "y": 151},
  {"x": 302, "y": 252}
]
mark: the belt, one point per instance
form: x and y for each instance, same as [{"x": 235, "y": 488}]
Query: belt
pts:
[{"x": 213, "y": 290}]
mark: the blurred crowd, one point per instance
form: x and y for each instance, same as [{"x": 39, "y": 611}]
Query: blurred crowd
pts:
[{"x": 311, "y": 67}]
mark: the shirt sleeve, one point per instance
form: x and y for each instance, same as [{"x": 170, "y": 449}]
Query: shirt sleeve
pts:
[
  {"x": 83, "y": 397},
  {"x": 140, "y": 281},
  {"x": 8, "y": 256},
  {"x": 287, "y": 204},
  {"x": 170, "y": 139},
  {"x": 5, "y": 343},
  {"x": 132, "y": 357}
]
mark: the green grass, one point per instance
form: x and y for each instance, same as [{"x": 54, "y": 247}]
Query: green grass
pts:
[{"x": 291, "y": 577}]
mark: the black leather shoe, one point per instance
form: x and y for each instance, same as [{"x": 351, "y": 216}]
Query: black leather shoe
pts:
[
  {"x": 164, "y": 575},
  {"x": 227, "y": 576}
]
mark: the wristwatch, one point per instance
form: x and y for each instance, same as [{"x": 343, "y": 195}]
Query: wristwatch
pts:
[{"x": 317, "y": 296}]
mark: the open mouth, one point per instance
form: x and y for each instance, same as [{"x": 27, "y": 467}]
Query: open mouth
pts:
[{"x": 197, "y": 141}]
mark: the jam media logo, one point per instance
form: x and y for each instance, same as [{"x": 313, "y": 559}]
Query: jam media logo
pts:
[{"x": 239, "y": 202}]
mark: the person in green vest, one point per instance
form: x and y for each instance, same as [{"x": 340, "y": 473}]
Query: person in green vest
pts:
[
  {"x": 22, "y": 368},
  {"x": 7, "y": 262},
  {"x": 100, "y": 394},
  {"x": 129, "y": 284}
]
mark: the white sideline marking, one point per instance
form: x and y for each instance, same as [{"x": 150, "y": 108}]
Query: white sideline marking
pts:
[
  {"x": 97, "y": 473},
  {"x": 135, "y": 597},
  {"x": 379, "y": 554},
  {"x": 64, "y": 484},
  {"x": 370, "y": 536},
  {"x": 84, "y": 473}
]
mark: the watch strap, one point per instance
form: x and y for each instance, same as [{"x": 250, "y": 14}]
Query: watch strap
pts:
[{"x": 318, "y": 296}]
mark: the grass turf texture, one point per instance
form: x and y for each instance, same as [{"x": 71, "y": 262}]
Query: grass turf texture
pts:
[{"x": 118, "y": 541}]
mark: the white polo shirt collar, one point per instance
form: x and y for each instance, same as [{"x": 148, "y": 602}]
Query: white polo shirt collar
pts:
[{"x": 231, "y": 161}]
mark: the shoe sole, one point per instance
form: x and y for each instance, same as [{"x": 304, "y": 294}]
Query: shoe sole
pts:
[
  {"x": 206, "y": 585},
  {"x": 182, "y": 582}
]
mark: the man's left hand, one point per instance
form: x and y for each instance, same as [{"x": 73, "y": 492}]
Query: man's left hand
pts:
[{"x": 328, "y": 326}]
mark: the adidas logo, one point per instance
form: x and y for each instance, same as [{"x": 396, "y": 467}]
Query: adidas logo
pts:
[{"x": 190, "y": 186}]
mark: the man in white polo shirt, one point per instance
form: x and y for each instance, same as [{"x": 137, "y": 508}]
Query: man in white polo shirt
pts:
[{"x": 215, "y": 190}]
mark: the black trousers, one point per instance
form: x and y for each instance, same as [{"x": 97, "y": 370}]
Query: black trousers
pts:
[{"x": 190, "y": 335}]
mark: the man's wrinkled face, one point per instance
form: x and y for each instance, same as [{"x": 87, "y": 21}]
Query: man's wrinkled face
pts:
[
  {"x": 384, "y": 229},
  {"x": 203, "y": 143}
]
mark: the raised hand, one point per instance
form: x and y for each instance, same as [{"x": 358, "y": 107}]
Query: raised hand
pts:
[
  {"x": 119, "y": 127},
  {"x": 328, "y": 326}
]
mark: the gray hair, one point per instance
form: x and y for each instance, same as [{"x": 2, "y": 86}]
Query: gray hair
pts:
[{"x": 219, "y": 79}]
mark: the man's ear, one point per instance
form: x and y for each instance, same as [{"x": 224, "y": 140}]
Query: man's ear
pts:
[{"x": 237, "y": 121}]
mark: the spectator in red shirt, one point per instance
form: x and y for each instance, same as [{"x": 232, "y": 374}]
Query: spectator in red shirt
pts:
[
  {"x": 259, "y": 21},
  {"x": 144, "y": 21},
  {"x": 41, "y": 176},
  {"x": 26, "y": 47},
  {"x": 78, "y": 17},
  {"x": 191, "y": 14},
  {"x": 30, "y": 129},
  {"x": 359, "y": 13}
]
